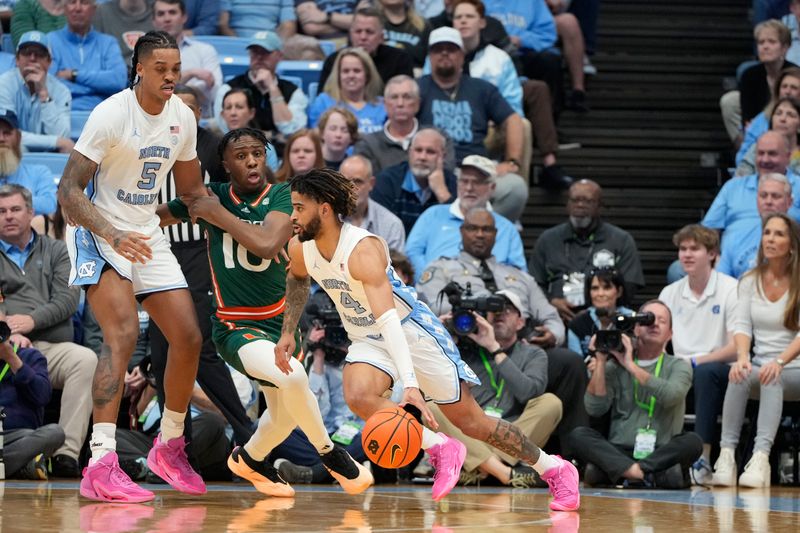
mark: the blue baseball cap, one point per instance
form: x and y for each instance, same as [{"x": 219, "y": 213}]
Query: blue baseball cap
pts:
[
  {"x": 268, "y": 40},
  {"x": 6, "y": 115},
  {"x": 34, "y": 37}
]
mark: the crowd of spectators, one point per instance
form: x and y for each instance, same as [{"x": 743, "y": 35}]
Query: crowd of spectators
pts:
[{"x": 432, "y": 110}]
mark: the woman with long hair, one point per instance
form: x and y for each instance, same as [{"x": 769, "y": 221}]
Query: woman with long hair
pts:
[
  {"x": 355, "y": 85},
  {"x": 769, "y": 311},
  {"x": 302, "y": 153},
  {"x": 787, "y": 84},
  {"x": 405, "y": 28},
  {"x": 784, "y": 119},
  {"x": 604, "y": 288}
]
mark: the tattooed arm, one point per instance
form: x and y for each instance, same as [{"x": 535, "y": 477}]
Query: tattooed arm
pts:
[
  {"x": 79, "y": 211},
  {"x": 298, "y": 284}
]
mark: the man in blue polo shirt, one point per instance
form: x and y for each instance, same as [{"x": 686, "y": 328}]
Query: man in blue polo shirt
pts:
[
  {"x": 436, "y": 232},
  {"x": 734, "y": 209}
]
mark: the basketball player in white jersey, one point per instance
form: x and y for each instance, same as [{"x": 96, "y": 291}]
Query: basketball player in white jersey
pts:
[
  {"x": 394, "y": 336},
  {"x": 119, "y": 254}
]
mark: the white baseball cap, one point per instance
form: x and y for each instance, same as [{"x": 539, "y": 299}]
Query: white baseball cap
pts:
[
  {"x": 482, "y": 164},
  {"x": 445, "y": 34}
]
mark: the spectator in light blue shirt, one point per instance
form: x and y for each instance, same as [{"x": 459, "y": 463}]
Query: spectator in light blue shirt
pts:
[
  {"x": 36, "y": 178},
  {"x": 774, "y": 196},
  {"x": 734, "y": 209},
  {"x": 244, "y": 18},
  {"x": 40, "y": 101},
  {"x": 88, "y": 62},
  {"x": 202, "y": 17},
  {"x": 436, "y": 233}
]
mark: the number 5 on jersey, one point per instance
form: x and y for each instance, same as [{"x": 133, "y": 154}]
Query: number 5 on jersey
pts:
[{"x": 148, "y": 180}]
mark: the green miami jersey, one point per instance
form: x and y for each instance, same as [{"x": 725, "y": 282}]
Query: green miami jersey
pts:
[{"x": 249, "y": 291}]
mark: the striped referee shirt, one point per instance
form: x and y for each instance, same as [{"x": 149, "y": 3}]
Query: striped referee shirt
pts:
[{"x": 211, "y": 169}]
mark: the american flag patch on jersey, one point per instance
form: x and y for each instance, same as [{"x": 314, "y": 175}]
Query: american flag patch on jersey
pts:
[{"x": 174, "y": 129}]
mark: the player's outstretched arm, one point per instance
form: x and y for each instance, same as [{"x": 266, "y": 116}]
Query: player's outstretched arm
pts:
[
  {"x": 265, "y": 241},
  {"x": 367, "y": 264},
  {"x": 79, "y": 211},
  {"x": 165, "y": 216},
  {"x": 297, "y": 289},
  {"x": 188, "y": 180}
]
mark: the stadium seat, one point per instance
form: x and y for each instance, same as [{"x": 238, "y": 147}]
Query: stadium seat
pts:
[
  {"x": 307, "y": 71},
  {"x": 77, "y": 120},
  {"x": 328, "y": 47},
  {"x": 52, "y": 160},
  {"x": 232, "y": 52}
]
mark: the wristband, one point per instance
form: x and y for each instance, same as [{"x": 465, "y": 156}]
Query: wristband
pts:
[
  {"x": 276, "y": 99},
  {"x": 498, "y": 351},
  {"x": 780, "y": 362}
]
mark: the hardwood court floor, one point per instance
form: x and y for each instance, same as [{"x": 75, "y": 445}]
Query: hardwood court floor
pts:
[{"x": 30, "y": 507}]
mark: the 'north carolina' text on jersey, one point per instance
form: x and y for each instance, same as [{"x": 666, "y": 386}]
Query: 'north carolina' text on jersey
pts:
[{"x": 135, "y": 151}]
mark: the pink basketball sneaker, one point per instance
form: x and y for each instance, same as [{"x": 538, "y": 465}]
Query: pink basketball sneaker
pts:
[
  {"x": 563, "y": 481},
  {"x": 105, "y": 481},
  {"x": 169, "y": 462},
  {"x": 447, "y": 458}
]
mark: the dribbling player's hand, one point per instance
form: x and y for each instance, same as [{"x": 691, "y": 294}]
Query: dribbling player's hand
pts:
[
  {"x": 414, "y": 397},
  {"x": 131, "y": 245},
  {"x": 283, "y": 352}
]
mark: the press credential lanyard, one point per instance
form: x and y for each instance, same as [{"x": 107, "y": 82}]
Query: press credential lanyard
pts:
[
  {"x": 498, "y": 389},
  {"x": 651, "y": 406}
]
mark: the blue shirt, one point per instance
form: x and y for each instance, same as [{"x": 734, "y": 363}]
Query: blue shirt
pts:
[
  {"x": 251, "y": 16},
  {"x": 370, "y": 117},
  {"x": 202, "y": 16},
  {"x": 410, "y": 185},
  {"x": 530, "y": 20},
  {"x": 15, "y": 254},
  {"x": 757, "y": 127},
  {"x": 437, "y": 233},
  {"x": 740, "y": 255},
  {"x": 734, "y": 210},
  {"x": 41, "y": 123},
  {"x": 96, "y": 57},
  {"x": 40, "y": 181}
]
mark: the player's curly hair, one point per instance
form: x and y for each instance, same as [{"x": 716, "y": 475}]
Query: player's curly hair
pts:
[
  {"x": 238, "y": 133},
  {"x": 325, "y": 185},
  {"x": 152, "y": 40}
]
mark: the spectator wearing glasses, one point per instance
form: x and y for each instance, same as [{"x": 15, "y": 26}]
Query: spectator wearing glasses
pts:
[
  {"x": 565, "y": 253},
  {"x": 41, "y": 102},
  {"x": 604, "y": 288},
  {"x": 475, "y": 185},
  {"x": 477, "y": 265}
]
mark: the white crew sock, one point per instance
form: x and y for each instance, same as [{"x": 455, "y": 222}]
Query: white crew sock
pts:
[
  {"x": 171, "y": 425},
  {"x": 103, "y": 440},
  {"x": 429, "y": 438},
  {"x": 545, "y": 463}
]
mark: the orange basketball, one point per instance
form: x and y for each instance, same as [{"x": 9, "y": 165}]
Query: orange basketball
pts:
[{"x": 391, "y": 438}]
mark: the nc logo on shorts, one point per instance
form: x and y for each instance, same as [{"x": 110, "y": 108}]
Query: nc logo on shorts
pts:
[
  {"x": 87, "y": 269},
  {"x": 469, "y": 372},
  {"x": 715, "y": 309}
]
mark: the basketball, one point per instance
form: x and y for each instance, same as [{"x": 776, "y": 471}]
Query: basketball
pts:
[{"x": 391, "y": 438}]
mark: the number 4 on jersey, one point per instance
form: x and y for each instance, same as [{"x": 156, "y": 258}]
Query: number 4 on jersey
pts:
[{"x": 349, "y": 303}]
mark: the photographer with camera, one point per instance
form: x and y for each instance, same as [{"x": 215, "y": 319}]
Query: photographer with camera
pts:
[
  {"x": 24, "y": 392},
  {"x": 477, "y": 267},
  {"x": 645, "y": 391},
  {"x": 513, "y": 378}
]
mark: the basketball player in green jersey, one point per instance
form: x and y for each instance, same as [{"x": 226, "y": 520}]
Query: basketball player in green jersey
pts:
[{"x": 247, "y": 227}]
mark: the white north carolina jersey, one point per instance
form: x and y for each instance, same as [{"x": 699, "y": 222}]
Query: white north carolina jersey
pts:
[
  {"x": 347, "y": 293},
  {"x": 135, "y": 151}
]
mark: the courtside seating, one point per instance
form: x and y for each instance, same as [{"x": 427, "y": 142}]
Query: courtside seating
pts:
[
  {"x": 52, "y": 160},
  {"x": 307, "y": 71},
  {"x": 77, "y": 121}
]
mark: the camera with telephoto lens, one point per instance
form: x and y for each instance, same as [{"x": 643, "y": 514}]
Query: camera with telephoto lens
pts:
[
  {"x": 5, "y": 331},
  {"x": 610, "y": 340},
  {"x": 464, "y": 304},
  {"x": 335, "y": 341}
]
